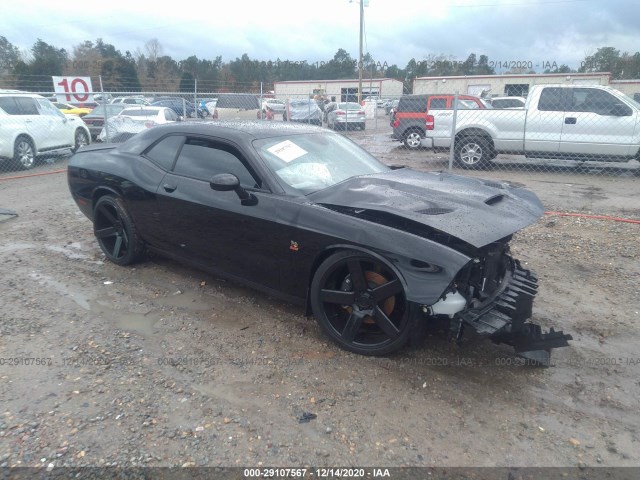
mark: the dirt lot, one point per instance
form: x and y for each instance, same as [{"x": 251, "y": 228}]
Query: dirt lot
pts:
[{"x": 162, "y": 365}]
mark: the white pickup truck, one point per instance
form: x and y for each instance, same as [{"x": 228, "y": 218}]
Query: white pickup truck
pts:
[{"x": 558, "y": 121}]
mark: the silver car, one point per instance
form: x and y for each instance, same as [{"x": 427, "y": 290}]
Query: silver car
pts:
[
  {"x": 346, "y": 114},
  {"x": 303, "y": 111}
]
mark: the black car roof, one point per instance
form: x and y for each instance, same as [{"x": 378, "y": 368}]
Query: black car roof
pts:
[{"x": 238, "y": 132}]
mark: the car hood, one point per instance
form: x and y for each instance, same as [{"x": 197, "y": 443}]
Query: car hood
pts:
[{"x": 474, "y": 210}]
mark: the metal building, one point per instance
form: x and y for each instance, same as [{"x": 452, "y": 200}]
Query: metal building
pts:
[
  {"x": 499, "y": 85},
  {"x": 339, "y": 90}
]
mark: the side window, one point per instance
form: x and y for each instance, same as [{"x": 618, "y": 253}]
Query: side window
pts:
[
  {"x": 437, "y": 103},
  {"x": 164, "y": 152},
  {"x": 8, "y": 104},
  {"x": 413, "y": 105},
  {"x": 49, "y": 108},
  {"x": 202, "y": 159},
  {"x": 27, "y": 106},
  {"x": 466, "y": 104},
  {"x": 551, "y": 100},
  {"x": 593, "y": 100}
]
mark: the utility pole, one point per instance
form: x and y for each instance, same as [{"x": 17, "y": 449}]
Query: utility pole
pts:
[{"x": 360, "y": 65}]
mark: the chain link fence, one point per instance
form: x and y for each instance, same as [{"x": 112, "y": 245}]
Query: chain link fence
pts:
[{"x": 588, "y": 130}]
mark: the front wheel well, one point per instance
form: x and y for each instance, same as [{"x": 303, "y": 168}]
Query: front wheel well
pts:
[
  {"x": 475, "y": 132},
  {"x": 101, "y": 192},
  {"x": 30, "y": 139},
  {"x": 322, "y": 256}
]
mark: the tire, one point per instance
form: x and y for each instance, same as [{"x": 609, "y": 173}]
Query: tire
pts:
[
  {"x": 362, "y": 126},
  {"x": 359, "y": 302},
  {"x": 412, "y": 139},
  {"x": 80, "y": 140},
  {"x": 115, "y": 231},
  {"x": 24, "y": 153},
  {"x": 473, "y": 152}
]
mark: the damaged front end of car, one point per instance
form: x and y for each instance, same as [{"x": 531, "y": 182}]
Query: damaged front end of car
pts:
[
  {"x": 454, "y": 232},
  {"x": 493, "y": 294}
]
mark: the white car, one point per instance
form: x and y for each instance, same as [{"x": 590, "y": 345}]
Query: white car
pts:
[
  {"x": 157, "y": 115},
  {"x": 132, "y": 120},
  {"x": 30, "y": 125},
  {"x": 131, "y": 100}
]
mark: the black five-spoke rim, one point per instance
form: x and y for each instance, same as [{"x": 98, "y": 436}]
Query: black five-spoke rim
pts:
[
  {"x": 110, "y": 231},
  {"x": 363, "y": 302}
]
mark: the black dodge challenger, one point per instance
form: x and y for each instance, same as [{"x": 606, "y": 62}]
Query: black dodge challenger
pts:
[{"x": 375, "y": 253}]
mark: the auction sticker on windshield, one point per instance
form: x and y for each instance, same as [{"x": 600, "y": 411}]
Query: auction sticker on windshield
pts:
[{"x": 287, "y": 151}]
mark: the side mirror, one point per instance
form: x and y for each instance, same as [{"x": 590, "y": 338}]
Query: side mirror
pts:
[
  {"x": 620, "y": 110},
  {"x": 226, "y": 182}
]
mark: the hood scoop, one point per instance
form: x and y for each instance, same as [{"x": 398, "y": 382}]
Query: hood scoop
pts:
[
  {"x": 491, "y": 184},
  {"x": 461, "y": 207},
  {"x": 435, "y": 211},
  {"x": 495, "y": 199}
]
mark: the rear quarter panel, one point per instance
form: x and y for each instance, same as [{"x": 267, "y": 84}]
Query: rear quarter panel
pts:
[{"x": 97, "y": 171}]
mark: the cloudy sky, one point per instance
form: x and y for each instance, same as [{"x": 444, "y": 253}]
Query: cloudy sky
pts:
[{"x": 561, "y": 31}]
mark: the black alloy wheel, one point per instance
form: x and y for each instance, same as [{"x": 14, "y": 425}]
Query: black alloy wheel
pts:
[
  {"x": 360, "y": 303},
  {"x": 115, "y": 231}
]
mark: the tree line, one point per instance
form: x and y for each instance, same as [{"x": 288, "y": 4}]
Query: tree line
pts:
[{"x": 149, "y": 69}]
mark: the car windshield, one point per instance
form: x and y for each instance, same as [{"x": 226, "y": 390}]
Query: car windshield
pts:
[{"x": 314, "y": 161}]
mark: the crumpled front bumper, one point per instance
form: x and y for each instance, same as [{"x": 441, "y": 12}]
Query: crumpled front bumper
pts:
[{"x": 504, "y": 317}]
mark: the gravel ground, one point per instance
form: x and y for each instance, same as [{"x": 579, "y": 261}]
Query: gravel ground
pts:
[{"x": 163, "y": 365}]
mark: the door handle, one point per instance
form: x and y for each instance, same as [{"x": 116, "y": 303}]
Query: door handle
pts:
[
  {"x": 570, "y": 120},
  {"x": 169, "y": 188}
]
